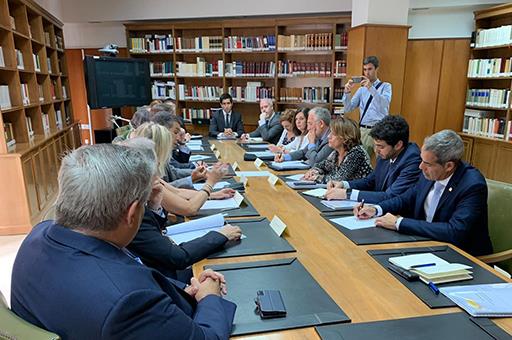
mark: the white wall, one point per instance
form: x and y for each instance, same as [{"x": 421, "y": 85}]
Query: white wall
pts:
[
  {"x": 52, "y": 6},
  {"x": 86, "y": 35}
]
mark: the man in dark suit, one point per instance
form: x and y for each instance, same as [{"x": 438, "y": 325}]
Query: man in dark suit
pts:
[
  {"x": 318, "y": 149},
  {"x": 449, "y": 202},
  {"x": 74, "y": 276},
  {"x": 269, "y": 126},
  {"x": 226, "y": 122},
  {"x": 397, "y": 165}
]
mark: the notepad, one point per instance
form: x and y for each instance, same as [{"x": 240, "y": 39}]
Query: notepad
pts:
[
  {"x": 320, "y": 192},
  {"x": 258, "y": 146},
  {"x": 297, "y": 177},
  {"x": 296, "y": 165},
  {"x": 254, "y": 140},
  {"x": 195, "y": 158},
  {"x": 195, "y": 147},
  {"x": 228, "y": 203},
  {"x": 217, "y": 186},
  {"x": 353, "y": 223},
  {"x": 339, "y": 204},
  {"x": 261, "y": 154},
  {"x": 252, "y": 173},
  {"x": 487, "y": 300}
]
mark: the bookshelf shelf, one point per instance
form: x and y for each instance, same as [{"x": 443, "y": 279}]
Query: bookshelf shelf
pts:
[
  {"x": 478, "y": 107},
  {"x": 305, "y": 52},
  {"x": 20, "y": 35},
  {"x": 490, "y": 78},
  {"x": 491, "y": 47}
]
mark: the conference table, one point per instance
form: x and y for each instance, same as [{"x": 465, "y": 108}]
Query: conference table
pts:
[{"x": 354, "y": 280}]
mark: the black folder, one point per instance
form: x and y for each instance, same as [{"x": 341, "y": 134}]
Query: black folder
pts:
[
  {"x": 261, "y": 239},
  {"x": 316, "y": 202},
  {"x": 445, "y": 326},
  {"x": 252, "y": 157},
  {"x": 238, "y": 186},
  {"x": 420, "y": 289},
  {"x": 372, "y": 235},
  {"x": 269, "y": 164},
  {"x": 245, "y": 209},
  {"x": 246, "y": 147},
  {"x": 307, "y": 304}
]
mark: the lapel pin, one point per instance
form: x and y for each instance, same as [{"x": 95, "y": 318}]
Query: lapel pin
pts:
[{"x": 450, "y": 189}]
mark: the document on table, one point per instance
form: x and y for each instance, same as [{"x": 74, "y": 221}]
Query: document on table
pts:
[
  {"x": 258, "y": 146},
  {"x": 217, "y": 186},
  {"x": 195, "y": 147},
  {"x": 297, "y": 177},
  {"x": 260, "y": 154},
  {"x": 290, "y": 165},
  {"x": 353, "y": 223},
  {"x": 196, "y": 137},
  {"x": 227, "y": 203},
  {"x": 486, "y": 300},
  {"x": 417, "y": 260},
  {"x": 305, "y": 184},
  {"x": 320, "y": 192},
  {"x": 339, "y": 204},
  {"x": 252, "y": 173},
  {"x": 254, "y": 140},
  {"x": 195, "y": 158}
]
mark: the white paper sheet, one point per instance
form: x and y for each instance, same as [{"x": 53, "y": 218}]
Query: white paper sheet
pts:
[
  {"x": 339, "y": 204},
  {"x": 290, "y": 165},
  {"x": 353, "y": 223},
  {"x": 297, "y": 177},
  {"x": 258, "y": 146},
  {"x": 228, "y": 203},
  {"x": 260, "y": 154},
  {"x": 195, "y": 158},
  {"x": 320, "y": 193},
  {"x": 252, "y": 173},
  {"x": 217, "y": 186}
]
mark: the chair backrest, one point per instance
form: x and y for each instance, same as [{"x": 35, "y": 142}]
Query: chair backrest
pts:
[
  {"x": 12, "y": 327},
  {"x": 499, "y": 204}
]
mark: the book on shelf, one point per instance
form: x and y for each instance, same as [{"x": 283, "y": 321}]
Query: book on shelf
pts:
[
  {"x": 258, "y": 43},
  {"x": 495, "y": 67},
  {"x": 37, "y": 62},
  {"x": 252, "y": 92},
  {"x": 2, "y": 60},
  {"x": 191, "y": 114},
  {"x": 338, "y": 95},
  {"x": 47, "y": 38},
  {"x": 5, "y": 98},
  {"x": 30, "y": 130},
  {"x": 202, "y": 93},
  {"x": 304, "y": 42},
  {"x": 488, "y": 98},
  {"x": 19, "y": 60},
  {"x": 12, "y": 21},
  {"x": 163, "y": 90},
  {"x": 25, "y": 98},
  {"x": 64, "y": 92},
  {"x": 9, "y": 134},
  {"x": 494, "y": 36},
  {"x": 46, "y": 123},
  {"x": 199, "y": 44},
  {"x": 201, "y": 68},
  {"x": 341, "y": 40},
  {"x": 41, "y": 92},
  {"x": 59, "y": 41},
  {"x": 340, "y": 68},
  {"x": 317, "y": 94},
  {"x": 338, "y": 110},
  {"x": 250, "y": 69},
  {"x": 29, "y": 31},
  {"x": 52, "y": 89},
  {"x": 49, "y": 64},
  {"x": 152, "y": 43},
  {"x": 58, "y": 119},
  {"x": 290, "y": 68},
  {"x": 483, "y": 123},
  {"x": 161, "y": 69}
]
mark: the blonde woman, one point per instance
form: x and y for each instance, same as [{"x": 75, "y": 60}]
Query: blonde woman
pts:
[
  {"x": 181, "y": 201},
  {"x": 348, "y": 161}
]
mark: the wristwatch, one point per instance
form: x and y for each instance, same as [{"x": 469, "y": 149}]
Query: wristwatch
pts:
[{"x": 348, "y": 193}]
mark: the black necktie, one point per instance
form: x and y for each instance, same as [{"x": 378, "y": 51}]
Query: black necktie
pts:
[{"x": 227, "y": 120}]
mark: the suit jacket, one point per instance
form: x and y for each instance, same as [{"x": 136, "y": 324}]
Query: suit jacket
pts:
[
  {"x": 179, "y": 178},
  {"x": 159, "y": 252},
  {"x": 461, "y": 214},
  {"x": 389, "y": 180},
  {"x": 81, "y": 287},
  {"x": 314, "y": 155},
  {"x": 271, "y": 131},
  {"x": 217, "y": 123}
]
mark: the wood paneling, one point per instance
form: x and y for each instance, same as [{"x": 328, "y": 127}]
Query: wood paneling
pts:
[
  {"x": 484, "y": 156},
  {"x": 422, "y": 74},
  {"x": 355, "y": 56},
  {"x": 503, "y": 163},
  {"x": 468, "y": 149},
  {"x": 452, "y": 85}
]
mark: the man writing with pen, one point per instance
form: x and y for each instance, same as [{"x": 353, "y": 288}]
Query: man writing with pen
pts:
[{"x": 448, "y": 203}]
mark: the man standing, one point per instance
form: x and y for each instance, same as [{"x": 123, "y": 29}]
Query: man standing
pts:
[
  {"x": 226, "y": 123},
  {"x": 449, "y": 202},
  {"x": 397, "y": 165},
  {"x": 269, "y": 128},
  {"x": 372, "y": 99}
]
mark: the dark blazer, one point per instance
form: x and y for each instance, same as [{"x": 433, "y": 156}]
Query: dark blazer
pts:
[
  {"x": 389, "y": 180},
  {"x": 314, "y": 155},
  {"x": 159, "y": 252},
  {"x": 81, "y": 287},
  {"x": 271, "y": 131},
  {"x": 461, "y": 215},
  {"x": 217, "y": 123}
]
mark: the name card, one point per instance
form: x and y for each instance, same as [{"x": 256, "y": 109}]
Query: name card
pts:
[
  {"x": 278, "y": 225},
  {"x": 244, "y": 180},
  {"x": 258, "y": 163},
  {"x": 272, "y": 179},
  {"x": 217, "y": 153},
  {"x": 212, "y": 147},
  {"x": 235, "y": 166}
]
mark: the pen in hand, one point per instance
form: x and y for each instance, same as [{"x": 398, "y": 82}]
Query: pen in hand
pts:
[{"x": 360, "y": 208}]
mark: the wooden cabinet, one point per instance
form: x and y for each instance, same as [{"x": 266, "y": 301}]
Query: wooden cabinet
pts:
[
  {"x": 483, "y": 156},
  {"x": 468, "y": 148}
]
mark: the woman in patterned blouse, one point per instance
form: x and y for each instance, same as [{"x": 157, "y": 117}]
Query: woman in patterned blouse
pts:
[{"x": 348, "y": 161}]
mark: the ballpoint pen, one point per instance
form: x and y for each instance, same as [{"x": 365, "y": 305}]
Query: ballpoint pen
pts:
[
  {"x": 422, "y": 265},
  {"x": 433, "y": 287}
]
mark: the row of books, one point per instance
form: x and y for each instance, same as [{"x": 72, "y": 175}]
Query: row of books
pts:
[
  {"x": 37, "y": 62},
  {"x": 205, "y": 93},
  {"x": 250, "y": 69},
  {"x": 163, "y": 90},
  {"x": 196, "y": 44},
  {"x": 341, "y": 40},
  {"x": 9, "y": 134},
  {"x": 64, "y": 92},
  {"x": 152, "y": 43},
  {"x": 30, "y": 129},
  {"x": 19, "y": 60},
  {"x": 25, "y": 99},
  {"x": 304, "y": 42},
  {"x": 338, "y": 111},
  {"x": 201, "y": 68},
  {"x": 317, "y": 94},
  {"x": 494, "y": 36},
  {"x": 338, "y": 95},
  {"x": 496, "y": 67},
  {"x": 493, "y": 98},
  {"x": 258, "y": 43},
  {"x": 487, "y": 127},
  {"x": 190, "y": 114},
  {"x": 252, "y": 92},
  {"x": 5, "y": 98},
  {"x": 59, "y": 41},
  {"x": 160, "y": 69},
  {"x": 2, "y": 60},
  {"x": 47, "y": 39},
  {"x": 290, "y": 68},
  {"x": 340, "y": 68},
  {"x": 41, "y": 92}
]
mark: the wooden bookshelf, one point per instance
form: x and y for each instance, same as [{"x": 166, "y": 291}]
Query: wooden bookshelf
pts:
[
  {"x": 255, "y": 54},
  {"x": 492, "y": 154},
  {"x": 28, "y": 167}
]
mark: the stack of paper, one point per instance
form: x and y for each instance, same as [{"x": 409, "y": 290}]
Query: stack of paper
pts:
[
  {"x": 297, "y": 177},
  {"x": 353, "y": 223},
  {"x": 488, "y": 300},
  {"x": 254, "y": 140},
  {"x": 258, "y": 146},
  {"x": 187, "y": 231},
  {"x": 195, "y": 158},
  {"x": 196, "y": 137},
  {"x": 195, "y": 147},
  {"x": 217, "y": 186},
  {"x": 252, "y": 173},
  {"x": 305, "y": 184},
  {"x": 228, "y": 203},
  {"x": 295, "y": 165},
  {"x": 340, "y": 204},
  {"x": 432, "y": 268},
  {"x": 261, "y": 154},
  {"x": 320, "y": 193}
]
